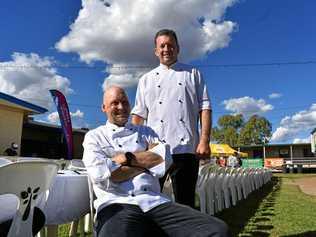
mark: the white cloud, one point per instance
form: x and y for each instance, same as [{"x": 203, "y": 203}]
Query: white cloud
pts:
[
  {"x": 30, "y": 77},
  {"x": 77, "y": 119},
  {"x": 77, "y": 114},
  {"x": 122, "y": 80},
  {"x": 120, "y": 33},
  {"x": 53, "y": 117},
  {"x": 247, "y": 106},
  {"x": 302, "y": 140},
  {"x": 290, "y": 126},
  {"x": 275, "y": 95}
]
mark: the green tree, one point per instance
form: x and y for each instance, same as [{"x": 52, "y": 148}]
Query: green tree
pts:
[
  {"x": 228, "y": 129},
  {"x": 231, "y": 121},
  {"x": 233, "y": 130},
  {"x": 257, "y": 130}
]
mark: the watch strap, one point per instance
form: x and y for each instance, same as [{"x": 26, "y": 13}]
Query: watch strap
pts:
[{"x": 129, "y": 157}]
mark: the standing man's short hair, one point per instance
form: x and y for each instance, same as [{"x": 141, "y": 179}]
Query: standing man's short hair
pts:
[{"x": 168, "y": 32}]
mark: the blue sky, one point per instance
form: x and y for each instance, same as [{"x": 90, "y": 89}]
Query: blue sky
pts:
[{"x": 256, "y": 56}]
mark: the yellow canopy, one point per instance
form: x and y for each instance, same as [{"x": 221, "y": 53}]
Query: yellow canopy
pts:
[{"x": 224, "y": 150}]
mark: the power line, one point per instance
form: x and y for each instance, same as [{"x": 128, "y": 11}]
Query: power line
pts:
[
  {"x": 238, "y": 65},
  {"x": 246, "y": 111}
]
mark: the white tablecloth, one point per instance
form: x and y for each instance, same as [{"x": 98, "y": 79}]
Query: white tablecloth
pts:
[{"x": 68, "y": 200}]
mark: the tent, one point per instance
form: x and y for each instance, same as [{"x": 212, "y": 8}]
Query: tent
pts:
[{"x": 224, "y": 150}]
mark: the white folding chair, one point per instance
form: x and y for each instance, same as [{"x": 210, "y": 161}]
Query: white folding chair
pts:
[
  {"x": 225, "y": 186},
  {"x": 27, "y": 180},
  {"x": 4, "y": 161},
  {"x": 167, "y": 188},
  {"x": 210, "y": 191},
  {"x": 201, "y": 186},
  {"x": 219, "y": 193},
  {"x": 233, "y": 186},
  {"x": 76, "y": 164},
  {"x": 240, "y": 183}
]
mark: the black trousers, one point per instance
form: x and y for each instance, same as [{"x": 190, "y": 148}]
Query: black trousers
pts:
[
  {"x": 184, "y": 174},
  {"x": 169, "y": 219}
]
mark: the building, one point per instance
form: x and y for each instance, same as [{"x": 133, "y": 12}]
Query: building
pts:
[
  {"x": 34, "y": 138},
  {"x": 298, "y": 150},
  {"x": 47, "y": 140},
  {"x": 13, "y": 112},
  {"x": 313, "y": 141}
]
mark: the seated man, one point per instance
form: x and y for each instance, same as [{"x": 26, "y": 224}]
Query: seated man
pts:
[{"x": 124, "y": 162}]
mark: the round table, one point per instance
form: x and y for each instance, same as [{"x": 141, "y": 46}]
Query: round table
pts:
[{"x": 68, "y": 198}]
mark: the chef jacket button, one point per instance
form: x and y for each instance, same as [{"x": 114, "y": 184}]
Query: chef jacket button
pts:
[
  {"x": 160, "y": 102},
  {"x": 180, "y": 84},
  {"x": 113, "y": 130},
  {"x": 145, "y": 189},
  {"x": 158, "y": 86},
  {"x": 133, "y": 195},
  {"x": 161, "y": 121},
  {"x": 181, "y": 120},
  {"x": 182, "y": 139},
  {"x": 120, "y": 145},
  {"x": 180, "y": 101},
  {"x": 157, "y": 73},
  {"x": 163, "y": 141},
  {"x": 136, "y": 141}
]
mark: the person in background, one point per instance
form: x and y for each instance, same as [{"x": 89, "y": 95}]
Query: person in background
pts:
[
  {"x": 12, "y": 150},
  {"x": 172, "y": 99},
  {"x": 232, "y": 160},
  {"x": 239, "y": 160},
  {"x": 222, "y": 161},
  {"x": 124, "y": 162}
]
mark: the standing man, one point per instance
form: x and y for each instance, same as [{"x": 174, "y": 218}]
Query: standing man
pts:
[
  {"x": 124, "y": 163},
  {"x": 172, "y": 98}
]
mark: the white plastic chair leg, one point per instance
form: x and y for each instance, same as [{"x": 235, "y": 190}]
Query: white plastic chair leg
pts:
[{"x": 73, "y": 228}]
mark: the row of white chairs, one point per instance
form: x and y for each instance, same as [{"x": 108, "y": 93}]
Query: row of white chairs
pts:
[{"x": 222, "y": 187}]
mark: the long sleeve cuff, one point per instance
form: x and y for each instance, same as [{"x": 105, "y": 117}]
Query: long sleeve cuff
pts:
[{"x": 162, "y": 150}]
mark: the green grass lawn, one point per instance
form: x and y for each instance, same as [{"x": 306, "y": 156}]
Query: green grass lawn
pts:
[{"x": 277, "y": 209}]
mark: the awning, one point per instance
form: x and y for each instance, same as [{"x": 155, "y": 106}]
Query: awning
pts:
[{"x": 224, "y": 150}]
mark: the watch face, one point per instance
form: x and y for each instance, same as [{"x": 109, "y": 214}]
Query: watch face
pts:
[{"x": 129, "y": 157}]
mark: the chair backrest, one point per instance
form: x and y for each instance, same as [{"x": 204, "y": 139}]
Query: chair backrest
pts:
[
  {"x": 27, "y": 180},
  {"x": 76, "y": 164},
  {"x": 4, "y": 161}
]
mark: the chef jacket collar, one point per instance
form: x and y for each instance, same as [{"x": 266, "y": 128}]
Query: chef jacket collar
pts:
[
  {"x": 113, "y": 126},
  {"x": 172, "y": 66}
]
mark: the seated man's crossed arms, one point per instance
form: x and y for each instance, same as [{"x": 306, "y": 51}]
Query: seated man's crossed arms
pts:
[{"x": 125, "y": 162}]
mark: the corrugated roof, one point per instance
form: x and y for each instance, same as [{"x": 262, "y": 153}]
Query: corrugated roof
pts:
[
  {"x": 22, "y": 104},
  {"x": 33, "y": 123},
  {"x": 274, "y": 144}
]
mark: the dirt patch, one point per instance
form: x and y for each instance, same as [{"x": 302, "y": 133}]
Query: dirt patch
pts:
[{"x": 307, "y": 185}]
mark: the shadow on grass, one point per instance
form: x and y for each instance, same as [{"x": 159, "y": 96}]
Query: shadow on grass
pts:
[
  {"x": 255, "y": 212},
  {"x": 305, "y": 234}
]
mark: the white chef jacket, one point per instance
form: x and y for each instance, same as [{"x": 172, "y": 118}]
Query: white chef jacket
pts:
[
  {"x": 170, "y": 99},
  {"x": 103, "y": 143}
]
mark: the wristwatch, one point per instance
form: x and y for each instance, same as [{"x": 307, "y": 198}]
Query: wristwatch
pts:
[{"x": 129, "y": 157}]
